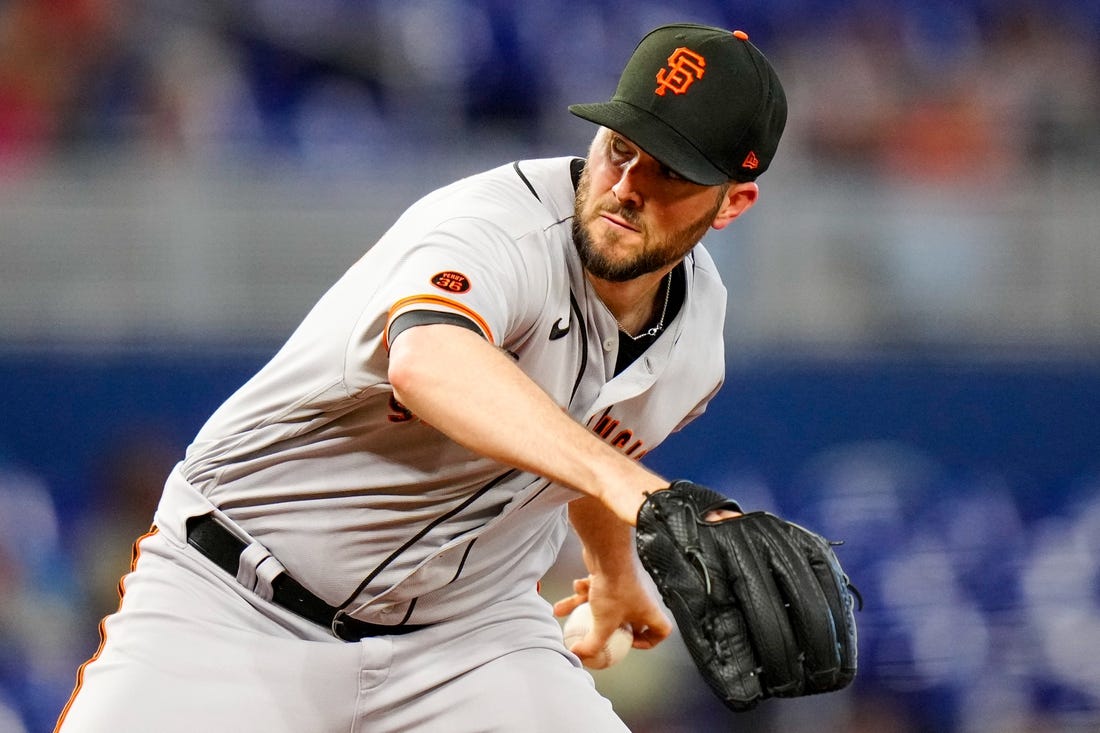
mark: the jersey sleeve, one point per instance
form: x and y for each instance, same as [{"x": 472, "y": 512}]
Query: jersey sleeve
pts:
[{"x": 465, "y": 271}]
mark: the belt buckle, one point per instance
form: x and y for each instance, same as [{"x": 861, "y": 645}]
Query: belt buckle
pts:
[{"x": 339, "y": 627}]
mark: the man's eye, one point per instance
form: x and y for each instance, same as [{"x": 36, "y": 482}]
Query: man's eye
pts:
[{"x": 671, "y": 175}]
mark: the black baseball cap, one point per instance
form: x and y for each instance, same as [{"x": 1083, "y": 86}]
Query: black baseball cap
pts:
[{"x": 703, "y": 101}]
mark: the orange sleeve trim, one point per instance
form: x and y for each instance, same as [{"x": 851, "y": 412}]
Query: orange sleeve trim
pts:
[
  {"x": 134, "y": 555},
  {"x": 436, "y": 300}
]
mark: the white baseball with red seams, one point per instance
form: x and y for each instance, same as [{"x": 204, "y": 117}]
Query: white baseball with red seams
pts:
[{"x": 618, "y": 644}]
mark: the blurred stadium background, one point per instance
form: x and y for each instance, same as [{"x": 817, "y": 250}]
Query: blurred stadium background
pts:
[{"x": 913, "y": 327}]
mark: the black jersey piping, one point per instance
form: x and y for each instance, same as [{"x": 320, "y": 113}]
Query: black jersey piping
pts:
[
  {"x": 462, "y": 562},
  {"x": 584, "y": 346},
  {"x": 575, "y": 167},
  {"x": 526, "y": 182},
  {"x": 458, "y": 572},
  {"x": 420, "y": 535}
]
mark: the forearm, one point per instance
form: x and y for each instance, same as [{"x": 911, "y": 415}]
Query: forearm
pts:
[
  {"x": 504, "y": 415},
  {"x": 615, "y": 587},
  {"x": 607, "y": 544}
]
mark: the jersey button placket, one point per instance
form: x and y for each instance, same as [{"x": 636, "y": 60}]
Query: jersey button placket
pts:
[{"x": 610, "y": 343}]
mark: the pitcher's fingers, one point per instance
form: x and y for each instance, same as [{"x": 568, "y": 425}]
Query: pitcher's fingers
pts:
[
  {"x": 650, "y": 636},
  {"x": 591, "y": 645},
  {"x": 566, "y": 606}
]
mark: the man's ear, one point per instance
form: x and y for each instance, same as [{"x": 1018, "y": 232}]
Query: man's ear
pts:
[{"x": 738, "y": 199}]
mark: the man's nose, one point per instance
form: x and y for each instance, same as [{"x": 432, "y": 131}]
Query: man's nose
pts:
[{"x": 626, "y": 189}]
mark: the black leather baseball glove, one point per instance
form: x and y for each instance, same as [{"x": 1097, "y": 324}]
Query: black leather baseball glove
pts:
[{"x": 762, "y": 604}]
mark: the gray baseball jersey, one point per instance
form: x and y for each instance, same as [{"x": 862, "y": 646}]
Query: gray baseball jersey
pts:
[
  {"x": 372, "y": 509},
  {"x": 319, "y": 470}
]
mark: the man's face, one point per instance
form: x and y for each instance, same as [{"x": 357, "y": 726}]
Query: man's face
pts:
[{"x": 633, "y": 215}]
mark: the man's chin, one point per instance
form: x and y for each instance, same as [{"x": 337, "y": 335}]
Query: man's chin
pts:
[{"x": 614, "y": 272}]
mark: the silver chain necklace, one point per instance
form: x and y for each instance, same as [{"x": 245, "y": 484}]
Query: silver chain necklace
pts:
[{"x": 653, "y": 331}]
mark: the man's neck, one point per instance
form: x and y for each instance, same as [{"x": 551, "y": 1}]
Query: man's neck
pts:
[{"x": 636, "y": 303}]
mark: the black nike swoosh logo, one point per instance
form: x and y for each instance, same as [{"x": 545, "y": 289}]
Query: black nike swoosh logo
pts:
[{"x": 556, "y": 331}]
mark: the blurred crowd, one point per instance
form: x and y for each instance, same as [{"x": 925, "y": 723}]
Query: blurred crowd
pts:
[
  {"x": 60, "y": 572},
  {"x": 929, "y": 88}
]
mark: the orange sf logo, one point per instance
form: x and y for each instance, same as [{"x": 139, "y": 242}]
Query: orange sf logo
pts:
[{"x": 684, "y": 67}]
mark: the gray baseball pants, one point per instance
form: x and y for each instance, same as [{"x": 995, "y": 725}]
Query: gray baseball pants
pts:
[{"x": 191, "y": 651}]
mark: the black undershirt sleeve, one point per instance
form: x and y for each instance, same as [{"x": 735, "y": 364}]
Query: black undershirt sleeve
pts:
[{"x": 409, "y": 319}]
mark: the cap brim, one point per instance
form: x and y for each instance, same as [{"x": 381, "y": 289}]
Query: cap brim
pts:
[{"x": 654, "y": 137}]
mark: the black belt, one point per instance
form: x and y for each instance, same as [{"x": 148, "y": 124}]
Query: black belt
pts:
[{"x": 224, "y": 549}]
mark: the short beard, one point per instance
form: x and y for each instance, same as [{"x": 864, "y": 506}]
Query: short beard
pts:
[
  {"x": 605, "y": 268},
  {"x": 656, "y": 255}
]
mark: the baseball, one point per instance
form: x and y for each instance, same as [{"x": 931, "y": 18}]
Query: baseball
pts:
[{"x": 578, "y": 624}]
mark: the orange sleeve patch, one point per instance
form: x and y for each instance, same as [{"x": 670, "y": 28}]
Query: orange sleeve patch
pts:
[{"x": 451, "y": 281}]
